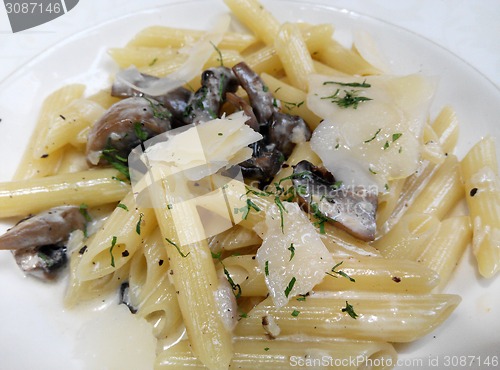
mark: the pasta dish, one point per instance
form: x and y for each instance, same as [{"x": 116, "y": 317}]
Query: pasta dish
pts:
[{"x": 263, "y": 199}]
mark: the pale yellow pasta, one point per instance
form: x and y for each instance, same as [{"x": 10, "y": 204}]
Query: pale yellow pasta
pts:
[
  {"x": 73, "y": 119},
  {"x": 258, "y": 19},
  {"x": 381, "y": 316},
  {"x": 409, "y": 236},
  {"x": 92, "y": 187},
  {"x": 33, "y": 165},
  {"x": 266, "y": 59},
  {"x": 443, "y": 191},
  {"x": 444, "y": 251},
  {"x": 301, "y": 151},
  {"x": 345, "y": 60},
  {"x": 164, "y": 37},
  {"x": 368, "y": 273},
  {"x": 112, "y": 246},
  {"x": 73, "y": 160},
  {"x": 388, "y": 201},
  {"x": 151, "y": 293},
  {"x": 482, "y": 184},
  {"x": 104, "y": 98},
  {"x": 195, "y": 281},
  {"x": 234, "y": 238},
  {"x": 445, "y": 125},
  {"x": 294, "y": 55},
  {"x": 141, "y": 56},
  {"x": 292, "y": 99},
  {"x": 170, "y": 65},
  {"x": 259, "y": 352},
  {"x": 79, "y": 290}
]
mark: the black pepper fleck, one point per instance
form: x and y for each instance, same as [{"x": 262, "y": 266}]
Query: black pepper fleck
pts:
[
  {"x": 473, "y": 192},
  {"x": 396, "y": 279}
]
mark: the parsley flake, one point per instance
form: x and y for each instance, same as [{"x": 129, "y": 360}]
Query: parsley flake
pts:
[{"x": 350, "y": 310}]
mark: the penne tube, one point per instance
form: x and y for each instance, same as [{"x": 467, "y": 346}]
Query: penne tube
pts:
[
  {"x": 140, "y": 56},
  {"x": 92, "y": 187},
  {"x": 289, "y": 353},
  {"x": 294, "y": 55},
  {"x": 41, "y": 165},
  {"x": 256, "y": 18},
  {"x": 443, "y": 191},
  {"x": 445, "y": 125},
  {"x": 194, "y": 277},
  {"x": 234, "y": 238},
  {"x": 150, "y": 292},
  {"x": 409, "y": 237},
  {"x": 369, "y": 274},
  {"x": 480, "y": 172},
  {"x": 114, "y": 244},
  {"x": 169, "y": 37},
  {"x": 78, "y": 116},
  {"x": 334, "y": 55},
  {"x": 444, "y": 251},
  {"x": 380, "y": 317}
]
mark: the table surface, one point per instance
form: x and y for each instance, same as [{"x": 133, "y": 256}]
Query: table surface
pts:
[{"x": 468, "y": 28}]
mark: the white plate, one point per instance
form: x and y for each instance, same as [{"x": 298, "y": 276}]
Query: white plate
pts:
[{"x": 36, "y": 332}]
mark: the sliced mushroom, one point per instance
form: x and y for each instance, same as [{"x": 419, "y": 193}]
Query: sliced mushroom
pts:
[
  {"x": 207, "y": 100},
  {"x": 124, "y": 126},
  {"x": 264, "y": 164},
  {"x": 352, "y": 208},
  {"x": 261, "y": 99},
  {"x": 286, "y": 130},
  {"x": 174, "y": 101},
  {"x": 39, "y": 242},
  {"x": 242, "y": 104}
]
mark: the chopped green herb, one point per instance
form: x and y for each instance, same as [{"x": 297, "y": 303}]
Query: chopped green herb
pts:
[
  {"x": 386, "y": 186},
  {"x": 84, "y": 210},
  {"x": 140, "y": 132},
  {"x": 243, "y": 315},
  {"x": 177, "y": 247},
  {"x": 266, "y": 268},
  {"x": 301, "y": 298},
  {"x": 349, "y": 99},
  {"x": 122, "y": 206},
  {"x": 170, "y": 206},
  {"x": 153, "y": 62},
  {"x": 295, "y": 313},
  {"x": 374, "y": 136},
  {"x": 246, "y": 209},
  {"x": 400, "y": 149},
  {"x": 349, "y": 84},
  {"x": 281, "y": 208},
  {"x": 290, "y": 105},
  {"x": 138, "y": 225},
  {"x": 372, "y": 171},
  {"x": 340, "y": 272},
  {"x": 113, "y": 243},
  {"x": 350, "y": 310},
  {"x": 266, "y": 349},
  {"x": 220, "y": 134},
  {"x": 290, "y": 286},
  {"x": 386, "y": 145},
  {"x": 236, "y": 287},
  {"x": 216, "y": 256},
  {"x": 396, "y": 136},
  {"x": 265, "y": 88},
  {"x": 292, "y": 251},
  {"x": 219, "y": 53}
]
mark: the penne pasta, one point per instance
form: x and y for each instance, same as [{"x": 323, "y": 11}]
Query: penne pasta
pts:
[
  {"x": 92, "y": 187},
  {"x": 380, "y": 317}
]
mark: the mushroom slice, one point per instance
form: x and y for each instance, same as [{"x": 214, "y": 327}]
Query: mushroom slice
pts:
[
  {"x": 39, "y": 242},
  {"x": 353, "y": 208},
  {"x": 286, "y": 131},
  {"x": 124, "y": 126},
  {"x": 265, "y": 163},
  {"x": 261, "y": 99},
  {"x": 175, "y": 100},
  {"x": 206, "y": 101}
]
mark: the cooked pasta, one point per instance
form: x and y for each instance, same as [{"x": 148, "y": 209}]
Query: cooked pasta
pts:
[{"x": 295, "y": 205}]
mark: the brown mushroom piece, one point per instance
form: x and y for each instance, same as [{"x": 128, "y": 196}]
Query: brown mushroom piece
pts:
[
  {"x": 286, "y": 130},
  {"x": 124, "y": 126},
  {"x": 38, "y": 243},
  {"x": 205, "y": 103},
  {"x": 351, "y": 208},
  {"x": 175, "y": 101}
]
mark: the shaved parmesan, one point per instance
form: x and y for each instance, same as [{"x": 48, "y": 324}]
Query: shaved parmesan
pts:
[
  {"x": 379, "y": 139},
  {"x": 204, "y": 149},
  {"x": 293, "y": 257}
]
